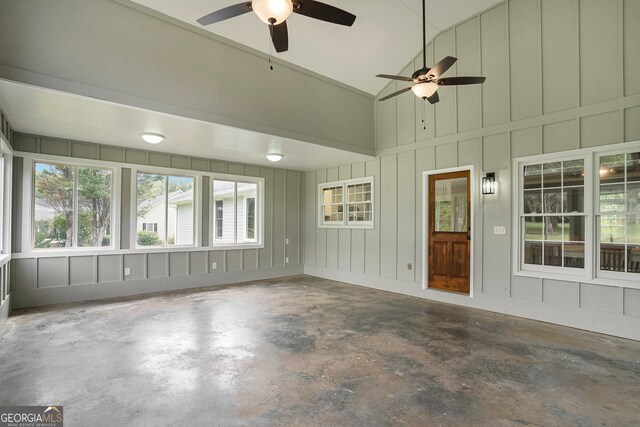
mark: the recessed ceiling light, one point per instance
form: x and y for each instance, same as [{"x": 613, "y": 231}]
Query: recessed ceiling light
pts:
[
  {"x": 152, "y": 138},
  {"x": 274, "y": 157}
]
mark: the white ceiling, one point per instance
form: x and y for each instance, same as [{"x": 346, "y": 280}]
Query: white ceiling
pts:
[
  {"x": 61, "y": 115},
  {"x": 386, "y": 35}
]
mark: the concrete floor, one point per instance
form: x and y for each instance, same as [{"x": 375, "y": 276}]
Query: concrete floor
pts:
[{"x": 307, "y": 351}]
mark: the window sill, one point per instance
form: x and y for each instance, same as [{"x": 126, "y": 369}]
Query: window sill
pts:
[
  {"x": 602, "y": 281},
  {"x": 349, "y": 227},
  {"x": 227, "y": 247}
]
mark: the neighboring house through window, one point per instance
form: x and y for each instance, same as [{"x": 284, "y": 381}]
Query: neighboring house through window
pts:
[{"x": 237, "y": 212}]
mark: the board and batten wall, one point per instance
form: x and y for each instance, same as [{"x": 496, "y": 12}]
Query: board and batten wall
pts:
[
  {"x": 47, "y": 279},
  {"x": 561, "y": 75},
  {"x": 122, "y": 52}
]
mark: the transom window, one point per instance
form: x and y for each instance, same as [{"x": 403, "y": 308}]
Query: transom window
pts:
[{"x": 346, "y": 203}]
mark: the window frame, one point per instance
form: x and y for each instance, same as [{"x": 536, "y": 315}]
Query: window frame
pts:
[
  {"x": 591, "y": 273},
  {"x": 28, "y": 204},
  {"x": 606, "y": 274},
  {"x": 168, "y": 172},
  {"x": 260, "y": 206},
  {"x": 345, "y": 223}
]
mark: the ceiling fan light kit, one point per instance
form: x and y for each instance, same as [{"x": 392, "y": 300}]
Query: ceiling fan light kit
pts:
[
  {"x": 426, "y": 80},
  {"x": 272, "y": 12},
  {"x": 424, "y": 90},
  {"x": 275, "y": 13}
]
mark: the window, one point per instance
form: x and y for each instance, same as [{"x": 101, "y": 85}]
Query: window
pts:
[
  {"x": 553, "y": 216},
  {"x": 219, "y": 218},
  {"x": 358, "y": 203},
  {"x": 150, "y": 226},
  {"x": 578, "y": 215},
  {"x": 71, "y": 206},
  {"x": 250, "y": 218},
  {"x": 237, "y": 212},
  {"x": 165, "y": 210},
  {"x": 619, "y": 213}
]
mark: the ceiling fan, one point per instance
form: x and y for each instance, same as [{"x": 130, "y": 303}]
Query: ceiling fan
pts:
[
  {"x": 275, "y": 13},
  {"x": 427, "y": 80}
]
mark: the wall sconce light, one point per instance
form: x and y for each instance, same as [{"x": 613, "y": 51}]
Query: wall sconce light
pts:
[{"x": 489, "y": 183}]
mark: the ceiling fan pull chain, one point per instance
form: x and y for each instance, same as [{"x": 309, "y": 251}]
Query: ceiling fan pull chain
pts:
[
  {"x": 269, "y": 43},
  {"x": 424, "y": 125}
]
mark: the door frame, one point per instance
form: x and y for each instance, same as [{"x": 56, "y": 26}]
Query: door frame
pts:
[{"x": 425, "y": 221}]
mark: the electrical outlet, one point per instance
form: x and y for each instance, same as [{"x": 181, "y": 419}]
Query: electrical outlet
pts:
[
  {"x": 286, "y": 241},
  {"x": 214, "y": 265},
  {"x": 500, "y": 230},
  {"x": 127, "y": 271},
  {"x": 409, "y": 266},
  {"x": 286, "y": 260}
]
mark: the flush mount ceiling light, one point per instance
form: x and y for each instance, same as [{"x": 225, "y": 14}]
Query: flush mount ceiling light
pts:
[
  {"x": 152, "y": 138},
  {"x": 274, "y": 157}
]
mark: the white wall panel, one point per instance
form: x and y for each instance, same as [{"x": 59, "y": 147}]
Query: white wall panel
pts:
[
  {"x": 601, "y": 129},
  {"x": 495, "y": 99},
  {"x": 446, "y": 120},
  {"x": 469, "y": 102},
  {"x": 560, "y": 79},
  {"x": 599, "y": 50},
  {"x": 525, "y": 58},
  {"x": 631, "y": 47},
  {"x": 406, "y": 206},
  {"x": 388, "y": 203},
  {"x": 561, "y": 136}
]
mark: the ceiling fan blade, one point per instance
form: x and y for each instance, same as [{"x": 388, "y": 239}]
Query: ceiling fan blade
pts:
[
  {"x": 434, "y": 98},
  {"x": 448, "y": 81},
  {"x": 280, "y": 36},
  {"x": 389, "y": 76},
  {"x": 442, "y": 66},
  {"x": 226, "y": 13},
  {"x": 323, "y": 12},
  {"x": 395, "y": 94}
]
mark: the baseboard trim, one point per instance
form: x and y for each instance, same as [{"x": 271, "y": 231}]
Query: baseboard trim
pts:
[
  {"x": 98, "y": 291},
  {"x": 590, "y": 320}
]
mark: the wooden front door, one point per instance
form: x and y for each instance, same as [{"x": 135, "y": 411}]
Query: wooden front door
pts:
[{"x": 449, "y": 231}]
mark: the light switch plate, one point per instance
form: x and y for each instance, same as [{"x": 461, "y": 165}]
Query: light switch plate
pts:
[
  {"x": 214, "y": 265},
  {"x": 499, "y": 229}
]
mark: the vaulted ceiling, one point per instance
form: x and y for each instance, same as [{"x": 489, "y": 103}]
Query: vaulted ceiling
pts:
[{"x": 386, "y": 35}]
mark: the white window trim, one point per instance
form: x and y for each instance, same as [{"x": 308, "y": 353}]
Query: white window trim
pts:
[
  {"x": 7, "y": 174},
  {"x": 215, "y": 244},
  {"x": 591, "y": 273},
  {"x": 29, "y": 159},
  {"x": 197, "y": 223},
  {"x": 345, "y": 214}
]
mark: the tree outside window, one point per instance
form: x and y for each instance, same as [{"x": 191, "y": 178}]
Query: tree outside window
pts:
[{"x": 72, "y": 206}]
